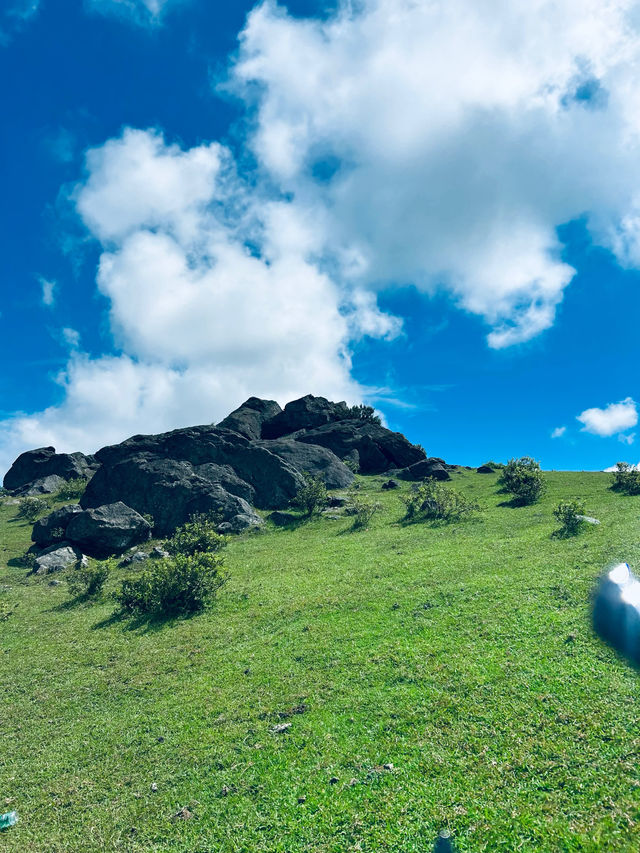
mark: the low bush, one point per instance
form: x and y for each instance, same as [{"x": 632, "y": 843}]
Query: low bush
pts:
[
  {"x": 497, "y": 465},
  {"x": 626, "y": 479},
  {"x": 31, "y": 508},
  {"x": 197, "y": 536},
  {"x": 72, "y": 489},
  {"x": 312, "y": 497},
  {"x": 364, "y": 413},
  {"x": 568, "y": 513},
  {"x": 352, "y": 465},
  {"x": 523, "y": 479},
  {"x": 176, "y": 586},
  {"x": 433, "y": 500},
  {"x": 88, "y": 581},
  {"x": 361, "y": 509}
]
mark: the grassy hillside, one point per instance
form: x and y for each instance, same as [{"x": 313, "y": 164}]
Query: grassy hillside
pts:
[{"x": 462, "y": 655}]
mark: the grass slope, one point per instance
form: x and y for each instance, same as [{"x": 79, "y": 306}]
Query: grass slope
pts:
[{"x": 461, "y": 654}]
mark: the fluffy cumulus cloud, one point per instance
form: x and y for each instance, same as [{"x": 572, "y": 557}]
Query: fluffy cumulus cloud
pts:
[
  {"x": 214, "y": 296},
  {"x": 613, "y": 419},
  {"x": 443, "y": 143}
]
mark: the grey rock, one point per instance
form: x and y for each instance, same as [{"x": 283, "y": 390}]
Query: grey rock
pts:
[
  {"x": 312, "y": 459},
  {"x": 240, "y": 523},
  {"x": 136, "y": 557},
  {"x": 306, "y": 413},
  {"x": 379, "y": 449},
  {"x": 225, "y": 476},
  {"x": 248, "y": 418},
  {"x": 44, "y": 462},
  {"x": 108, "y": 529},
  {"x": 44, "y": 486},
  {"x": 169, "y": 490},
  {"x": 426, "y": 469},
  {"x": 53, "y": 527},
  {"x": 158, "y": 553},
  {"x": 485, "y": 469},
  {"x": 282, "y": 519},
  {"x": 56, "y": 558},
  {"x": 588, "y": 519},
  {"x": 336, "y": 501},
  {"x": 390, "y": 484}
]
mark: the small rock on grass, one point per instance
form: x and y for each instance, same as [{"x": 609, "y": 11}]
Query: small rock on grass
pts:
[
  {"x": 183, "y": 814},
  {"x": 280, "y": 728}
]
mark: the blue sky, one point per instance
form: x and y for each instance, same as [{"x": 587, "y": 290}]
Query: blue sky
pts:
[{"x": 433, "y": 210}]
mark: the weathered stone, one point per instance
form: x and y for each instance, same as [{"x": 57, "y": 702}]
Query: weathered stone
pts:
[
  {"x": 425, "y": 469},
  {"x": 56, "y": 558},
  {"x": 43, "y": 462},
  {"x": 169, "y": 490},
  {"x": 108, "y": 529},
  {"x": 282, "y": 519},
  {"x": 485, "y": 469},
  {"x": 239, "y": 523},
  {"x": 248, "y": 418},
  {"x": 306, "y": 413},
  {"x": 136, "y": 557},
  {"x": 336, "y": 501},
  {"x": 158, "y": 553},
  {"x": 53, "y": 527},
  {"x": 379, "y": 449},
  {"x": 312, "y": 459},
  {"x": 44, "y": 486},
  {"x": 225, "y": 476},
  {"x": 390, "y": 484}
]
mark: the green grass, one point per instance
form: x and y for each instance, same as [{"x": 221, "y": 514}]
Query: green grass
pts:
[{"x": 462, "y": 654}]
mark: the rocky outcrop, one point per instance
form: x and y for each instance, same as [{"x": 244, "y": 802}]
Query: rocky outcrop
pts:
[
  {"x": 431, "y": 469},
  {"x": 248, "y": 418},
  {"x": 56, "y": 558},
  {"x": 306, "y": 413},
  {"x": 44, "y": 486},
  {"x": 53, "y": 527},
  {"x": 312, "y": 459},
  {"x": 485, "y": 469},
  {"x": 378, "y": 449},
  {"x": 44, "y": 462},
  {"x": 109, "y": 529}
]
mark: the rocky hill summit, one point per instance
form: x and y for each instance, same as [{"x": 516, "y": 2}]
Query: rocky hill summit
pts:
[{"x": 254, "y": 459}]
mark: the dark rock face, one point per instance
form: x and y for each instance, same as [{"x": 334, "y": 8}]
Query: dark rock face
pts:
[
  {"x": 53, "y": 527},
  {"x": 485, "y": 469},
  {"x": 169, "y": 490},
  {"x": 283, "y": 519},
  {"x": 313, "y": 459},
  {"x": 44, "y": 486},
  {"x": 306, "y": 413},
  {"x": 225, "y": 476},
  {"x": 109, "y": 529},
  {"x": 239, "y": 523},
  {"x": 378, "y": 448},
  {"x": 248, "y": 418},
  {"x": 44, "y": 462},
  {"x": 425, "y": 469},
  {"x": 273, "y": 481},
  {"x": 390, "y": 484}
]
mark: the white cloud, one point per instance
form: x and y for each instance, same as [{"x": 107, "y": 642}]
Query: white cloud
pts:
[
  {"x": 15, "y": 16},
  {"x": 213, "y": 297},
  {"x": 71, "y": 337},
  {"x": 627, "y": 439},
  {"x": 614, "y": 418},
  {"x": 463, "y": 134},
  {"x": 558, "y": 432},
  {"x": 48, "y": 292},
  {"x": 143, "y": 12}
]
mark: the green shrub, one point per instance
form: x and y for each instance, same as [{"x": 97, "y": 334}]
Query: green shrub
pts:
[
  {"x": 433, "y": 500},
  {"x": 352, "y": 465},
  {"x": 312, "y": 497},
  {"x": 523, "y": 479},
  {"x": 569, "y": 513},
  {"x": 626, "y": 479},
  {"x": 364, "y": 413},
  {"x": 175, "y": 586},
  {"x": 31, "y": 508},
  {"x": 197, "y": 536},
  {"x": 72, "y": 489},
  {"x": 88, "y": 581},
  {"x": 361, "y": 509},
  {"x": 497, "y": 465}
]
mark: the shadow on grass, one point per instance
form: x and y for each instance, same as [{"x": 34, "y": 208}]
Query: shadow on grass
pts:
[
  {"x": 514, "y": 503},
  {"x": 76, "y": 601},
  {"x": 145, "y": 623}
]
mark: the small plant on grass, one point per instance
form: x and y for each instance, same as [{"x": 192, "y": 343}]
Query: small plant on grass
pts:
[
  {"x": 433, "y": 500},
  {"x": 361, "y": 509},
  {"x": 626, "y": 479},
  {"x": 523, "y": 479},
  {"x": 31, "y": 508},
  {"x": 88, "y": 581},
  {"x": 312, "y": 497},
  {"x": 570, "y": 515},
  {"x": 72, "y": 489},
  {"x": 177, "y": 586},
  {"x": 197, "y": 536},
  {"x": 352, "y": 464}
]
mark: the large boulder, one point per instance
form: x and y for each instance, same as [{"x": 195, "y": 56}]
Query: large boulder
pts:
[
  {"x": 53, "y": 527},
  {"x": 378, "y": 449},
  {"x": 169, "y": 490},
  {"x": 44, "y": 462},
  {"x": 431, "y": 469},
  {"x": 56, "y": 558},
  {"x": 273, "y": 480},
  {"x": 225, "y": 476},
  {"x": 44, "y": 486},
  {"x": 306, "y": 413},
  {"x": 312, "y": 459},
  {"x": 109, "y": 529},
  {"x": 248, "y": 418}
]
